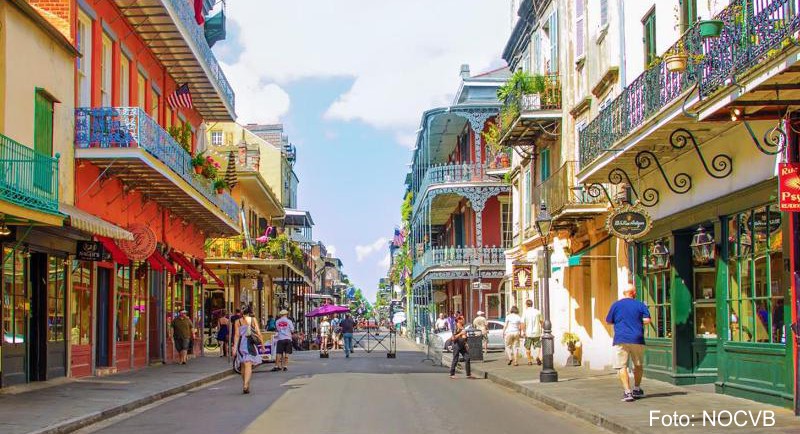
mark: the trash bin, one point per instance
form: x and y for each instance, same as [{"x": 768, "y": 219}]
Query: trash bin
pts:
[{"x": 475, "y": 345}]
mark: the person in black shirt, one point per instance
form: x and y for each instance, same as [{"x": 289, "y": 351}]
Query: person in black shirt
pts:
[
  {"x": 460, "y": 348},
  {"x": 347, "y": 325}
]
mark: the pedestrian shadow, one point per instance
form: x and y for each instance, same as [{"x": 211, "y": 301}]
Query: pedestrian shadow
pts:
[{"x": 663, "y": 395}]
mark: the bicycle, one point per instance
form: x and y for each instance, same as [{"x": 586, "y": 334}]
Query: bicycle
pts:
[{"x": 211, "y": 343}]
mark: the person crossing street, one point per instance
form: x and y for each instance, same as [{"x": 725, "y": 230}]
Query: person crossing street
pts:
[{"x": 460, "y": 348}]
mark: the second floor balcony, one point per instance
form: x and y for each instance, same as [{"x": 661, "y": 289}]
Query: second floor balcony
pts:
[
  {"x": 450, "y": 175},
  {"x": 127, "y": 143},
  {"x": 566, "y": 200},
  {"x": 275, "y": 252},
  {"x": 28, "y": 179},
  {"x": 532, "y": 110},
  {"x": 459, "y": 257}
]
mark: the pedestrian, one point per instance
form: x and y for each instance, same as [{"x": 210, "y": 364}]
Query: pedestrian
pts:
[
  {"x": 441, "y": 324},
  {"x": 247, "y": 342},
  {"x": 480, "y": 324},
  {"x": 182, "y": 335},
  {"x": 324, "y": 334},
  {"x": 271, "y": 324},
  {"x": 511, "y": 331},
  {"x": 236, "y": 315},
  {"x": 629, "y": 315},
  {"x": 284, "y": 328},
  {"x": 347, "y": 326},
  {"x": 451, "y": 321},
  {"x": 336, "y": 331},
  {"x": 533, "y": 332},
  {"x": 460, "y": 348},
  {"x": 223, "y": 332}
]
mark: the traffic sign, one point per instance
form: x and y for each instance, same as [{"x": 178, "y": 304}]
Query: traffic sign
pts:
[{"x": 482, "y": 286}]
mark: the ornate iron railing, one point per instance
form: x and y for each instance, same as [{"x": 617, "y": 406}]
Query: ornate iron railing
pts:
[
  {"x": 450, "y": 174},
  {"x": 28, "y": 178},
  {"x": 559, "y": 191},
  {"x": 750, "y": 35},
  {"x": 517, "y": 105},
  {"x": 239, "y": 247},
  {"x": 186, "y": 14},
  {"x": 131, "y": 127},
  {"x": 458, "y": 257}
]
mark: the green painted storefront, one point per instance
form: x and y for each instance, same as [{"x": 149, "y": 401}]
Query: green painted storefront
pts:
[{"x": 723, "y": 317}]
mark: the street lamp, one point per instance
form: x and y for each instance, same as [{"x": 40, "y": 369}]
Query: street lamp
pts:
[{"x": 543, "y": 224}]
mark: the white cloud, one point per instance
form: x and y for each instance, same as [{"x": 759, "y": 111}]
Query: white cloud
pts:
[
  {"x": 403, "y": 57},
  {"x": 364, "y": 251},
  {"x": 385, "y": 262}
]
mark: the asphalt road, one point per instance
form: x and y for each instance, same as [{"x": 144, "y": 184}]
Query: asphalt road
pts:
[{"x": 367, "y": 393}]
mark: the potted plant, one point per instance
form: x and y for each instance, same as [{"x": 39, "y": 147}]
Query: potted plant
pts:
[
  {"x": 220, "y": 185},
  {"x": 570, "y": 340},
  {"x": 249, "y": 252},
  {"x": 198, "y": 162},
  {"x": 676, "y": 58},
  {"x": 711, "y": 28},
  {"x": 182, "y": 134},
  {"x": 210, "y": 168}
]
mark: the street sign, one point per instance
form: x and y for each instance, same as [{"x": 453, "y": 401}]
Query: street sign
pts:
[
  {"x": 629, "y": 222},
  {"x": 482, "y": 286},
  {"x": 789, "y": 186}
]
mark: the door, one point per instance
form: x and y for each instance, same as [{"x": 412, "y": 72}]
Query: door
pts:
[
  {"x": 458, "y": 229},
  {"x": 156, "y": 317},
  {"x": 16, "y": 312},
  {"x": 102, "y": 356},
  {"x": 56, "y": 317},
  {"x": 492, "y": 304},
  {"x": 37, "y": 324}
]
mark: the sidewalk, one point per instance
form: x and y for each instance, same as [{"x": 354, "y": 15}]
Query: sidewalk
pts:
[
  {"x": 595, "y": 397},
  {"x": 72, "y": 404}
]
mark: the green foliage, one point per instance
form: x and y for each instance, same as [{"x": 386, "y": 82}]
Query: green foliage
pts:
[
  {"x": 182, "y": 134},
  {"x": 407, "y": 208},
  {"x": 521, "y": 83},
  {"x": 220, "y": 183},
  {"x": 282, "y": 247},
  {"x": 569, "y": 338}
]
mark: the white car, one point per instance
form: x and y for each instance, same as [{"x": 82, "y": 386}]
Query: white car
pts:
[{"x": 495, "y": 328}]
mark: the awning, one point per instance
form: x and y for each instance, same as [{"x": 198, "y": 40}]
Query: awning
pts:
[
  {"x": 116, "y": 253},
  {"x": 165, "y": 265},
  {"x": 84, "y": 221},
  {"x": 213, "y": 276},
  {"x": 187, "y": 265},
  {"x": 575, "y": 258}
]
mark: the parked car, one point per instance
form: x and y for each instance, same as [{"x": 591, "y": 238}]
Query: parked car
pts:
[{"x": 494, "y": 327}]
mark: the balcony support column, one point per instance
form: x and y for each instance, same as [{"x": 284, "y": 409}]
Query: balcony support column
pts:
[{"x": 477, "y": 120}]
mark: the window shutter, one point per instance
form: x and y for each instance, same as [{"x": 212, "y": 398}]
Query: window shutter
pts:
[
  {"x": 43, "y": 142},
  {"x": 544, "y": 164},
  {"x": 537, "y": 53},
  {"x": 228, "y": 138},
  {"x": 580, "y": 25},
  {"x": 553, "y": 43},
  {"x": 603, "y": 12}
]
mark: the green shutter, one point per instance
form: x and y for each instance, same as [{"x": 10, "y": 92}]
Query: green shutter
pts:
[
  {"x": 43, "y": 141},
  {"x": 688, "y": 13},
  {"x": 650, "y": 38},
  {"x": 544, "y": 164}
]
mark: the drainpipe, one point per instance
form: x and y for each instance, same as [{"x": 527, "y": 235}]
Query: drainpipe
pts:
[{"x": 622, "y": 58}]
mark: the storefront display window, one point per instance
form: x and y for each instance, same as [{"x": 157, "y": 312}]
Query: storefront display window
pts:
[
  {"x": 755, "y": 265},
  {"x": 656, "y": 288},
  {"x": 140, "y": 303},
  {"x": 16, "y": 307},
  {"x": 123, "y": 290},
  {"x": 56, "y": 300},
  {"x": 81, "y": 303}
]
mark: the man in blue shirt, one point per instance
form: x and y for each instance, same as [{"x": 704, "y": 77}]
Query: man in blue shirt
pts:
[{"x": 629, "y": 315}]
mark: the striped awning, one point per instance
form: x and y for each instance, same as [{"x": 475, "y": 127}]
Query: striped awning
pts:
[{"x": 80, "y": 219}]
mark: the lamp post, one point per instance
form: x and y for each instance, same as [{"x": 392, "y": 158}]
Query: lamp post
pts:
[{"x": 543, "y": 225}]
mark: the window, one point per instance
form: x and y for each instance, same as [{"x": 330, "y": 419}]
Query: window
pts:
[
  {"x": 655, "y": 291},
  {"x": 56, "y": 299},
  {"x": 140, "y": 303},
  {"x": 688, "y": 13},
  {"x": 155, "y": 105},
  {"x": 544, "y": 164},
  {"x": 167, "y": 116},
  {"x": 123, "y": 290},
  {"x": 527, "y": 193},
  {"x": 505, "y": 226},
  {"x": 603, "y": 13},
  {"x": 755, "y": 275},
  {"x": 84, "y": 61},
  {"x": 141, "y": 90},
  {"x": 537, "y": 53},
  {"x": 216, "y": 138},
  {"x": 124, "y": 81},
  {"x": 526, "y": 62},
  {"x": 16, "y": 308},
  {"x": 105, "y": 71},
  {"x": 553, "y": 35},
  {"x": 649, "y": 39},
  {"x": 580, "y": 28},
  {"x": 81, "y": 304}
]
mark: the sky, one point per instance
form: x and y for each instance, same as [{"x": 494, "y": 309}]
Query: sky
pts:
[{"x": 350, "y": 79}]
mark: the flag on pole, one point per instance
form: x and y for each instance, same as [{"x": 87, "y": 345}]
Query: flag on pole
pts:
[
  {"x": 397, "y": 240},
  {"x": 181, "y": 97},
  {"x": 198, "y": 12}
]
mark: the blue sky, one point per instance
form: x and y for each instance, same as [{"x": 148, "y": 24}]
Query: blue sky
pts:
[{"x": 350, "y": 80}]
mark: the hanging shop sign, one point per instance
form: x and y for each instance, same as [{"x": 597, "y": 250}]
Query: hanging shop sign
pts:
[
  {"x": 143, "y": 244},
  {"x": 89, "y": 251},
  {"x": 521, "y": 277},
  {"x": 789, "y": 186},
  {"x": 629, "y": 222}
]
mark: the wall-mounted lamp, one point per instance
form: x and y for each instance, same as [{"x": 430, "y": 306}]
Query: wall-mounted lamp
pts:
[{"x": 736, "y": 114}]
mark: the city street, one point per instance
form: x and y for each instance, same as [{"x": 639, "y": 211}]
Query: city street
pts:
[{"x": 367, "y": 393}]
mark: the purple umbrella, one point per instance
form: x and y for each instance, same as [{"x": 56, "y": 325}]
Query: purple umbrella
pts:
[{"x": 327, "y": 309}]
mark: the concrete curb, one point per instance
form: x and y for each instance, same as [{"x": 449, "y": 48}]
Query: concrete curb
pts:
[
  {"x": 600, "y": 420},
  {"x": 83, "y": 421}
]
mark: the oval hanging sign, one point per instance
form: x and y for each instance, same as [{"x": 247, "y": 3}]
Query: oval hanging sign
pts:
[
  {"x": 629, "y": 222},
  {"x": 143, "y": 244}
]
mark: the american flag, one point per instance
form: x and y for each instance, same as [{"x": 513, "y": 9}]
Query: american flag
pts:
[
  {"x": 398, "y": 238},
  {"x": 181, "y": 97}
]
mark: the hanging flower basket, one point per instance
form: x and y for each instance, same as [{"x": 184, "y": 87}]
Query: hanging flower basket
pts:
[
  {"x": 711, "y": 28},
  {"x": 676, "y": 62}
]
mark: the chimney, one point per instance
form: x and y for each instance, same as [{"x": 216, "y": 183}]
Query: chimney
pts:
[{"x": 465, "y": 71}]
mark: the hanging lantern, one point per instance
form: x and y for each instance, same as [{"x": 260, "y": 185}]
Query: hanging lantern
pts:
[
  {"x": 702, "y": 246},
  {"x": 659, "y": 255}
]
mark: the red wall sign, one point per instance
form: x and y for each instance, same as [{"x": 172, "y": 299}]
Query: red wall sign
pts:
[
  {"x": 143, "y": 244},
  {"x": 789, "y": 186}
]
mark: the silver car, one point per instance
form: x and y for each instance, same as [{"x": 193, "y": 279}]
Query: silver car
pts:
[{"x": 494, "y": 327}]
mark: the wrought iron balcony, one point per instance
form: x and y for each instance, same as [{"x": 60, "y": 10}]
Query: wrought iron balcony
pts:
[
  {"x": 132, "y": 146},
  {"x": 28, "y": 178},
  {"x": 565, "y": 200},
  {"x": 521, "y": 113},
  {"x": 751, "y": 35},
  {"x": 171, "y": 32},
  {"x": 459, "y": 257},
  {"x": 452, "y": 174}
]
